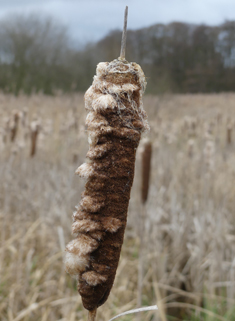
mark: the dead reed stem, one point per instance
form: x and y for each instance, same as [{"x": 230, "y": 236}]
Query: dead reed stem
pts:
[
  {"x": 159, "y": 297},
  {"x": 146, "y": 168},
  {"x": 229, "y": 134},
  {"x": 92, "y": 315},
  {"x": 34, "y": 135},
  {"x": 142, "y": 238}
]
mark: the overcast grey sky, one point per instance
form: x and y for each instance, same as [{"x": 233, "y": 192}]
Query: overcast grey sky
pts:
[{"x": 90, "y": 20}]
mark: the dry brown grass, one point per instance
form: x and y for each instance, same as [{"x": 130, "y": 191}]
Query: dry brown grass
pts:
[{"x": 190, "y": 219}]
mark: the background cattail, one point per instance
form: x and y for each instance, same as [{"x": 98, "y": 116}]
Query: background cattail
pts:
[
  {"x": 229, "y": 133},
  {"x": 34, "y": 131},
  {"x": 146, "y": 168},
  {"x": 75, "y": 157},
  {"x": 2, "y": 138},
  {"x": 146, "y": 153},
  {"x": 23, "y": 116},
  {"x": 14, "y": 125}
]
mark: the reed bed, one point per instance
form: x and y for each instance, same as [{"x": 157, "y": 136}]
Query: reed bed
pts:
[{"x": 189, "y": 225}]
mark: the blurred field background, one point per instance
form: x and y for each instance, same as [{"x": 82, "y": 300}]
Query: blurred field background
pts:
[
  {"x": 189, "y": 222},
  {"x": 37, "y": 54}
]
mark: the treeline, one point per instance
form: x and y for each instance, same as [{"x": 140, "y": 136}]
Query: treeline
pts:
[{"x": 37, "y": 55}]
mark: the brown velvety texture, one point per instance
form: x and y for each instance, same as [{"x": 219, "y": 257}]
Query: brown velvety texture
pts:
[{"x": 114, "y": 124}]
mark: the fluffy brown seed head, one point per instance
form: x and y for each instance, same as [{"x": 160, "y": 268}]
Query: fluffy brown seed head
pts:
[{"x": 114, "y": 123}]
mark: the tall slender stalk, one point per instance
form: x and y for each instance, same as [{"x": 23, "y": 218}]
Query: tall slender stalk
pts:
[
  {"x": 92, "y": 315},
  {"x": 123, "y": 44}
]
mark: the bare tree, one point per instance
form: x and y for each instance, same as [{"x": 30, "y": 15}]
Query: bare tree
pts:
[{"x": 33, "y": 49}]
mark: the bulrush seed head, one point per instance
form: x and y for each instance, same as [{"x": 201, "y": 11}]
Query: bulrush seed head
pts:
[{"x": 114, "y": 123}]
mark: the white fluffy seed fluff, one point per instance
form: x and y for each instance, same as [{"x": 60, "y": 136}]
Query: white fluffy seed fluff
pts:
[
  {"x": 90, "y": 117},
  {"x": 104, "y": 102},
  {"x": 85, "y": 170},
  {"x": 92, "y": 138},
  {"x": 98, "y": 102},
  {"x": 75, "y": 263},
  {"x": 101, "y": 68},
  {"x": 97, "y": 235},
  {"x": 99, "y": 151},
  {"x": 95, "y": 120},
  {"x": 125, "y": 88},
  {"x": 90, "y": 204},
  {"x": 111, "y": 224},
  {"x": 93, "y": 278},
  {"x": 82, "y": 245},
  {"x": 84, "y": 226},
  {"x": 90, "y": 95},
  {"x": 105, "y": 130},
  {"x": 109, "y": 89}
]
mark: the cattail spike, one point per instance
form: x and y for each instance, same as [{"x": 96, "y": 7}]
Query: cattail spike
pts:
[
  {"x": 123, "y": 44},
  {"x": 146, "y": 168},
  {"x": 229, "y": 134},
  {"x": 34, "y": 128},
  {"x": 115, "y": 123}
]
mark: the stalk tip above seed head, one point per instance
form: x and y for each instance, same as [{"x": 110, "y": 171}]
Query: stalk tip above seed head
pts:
[{"x": 123, "y": 44}]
